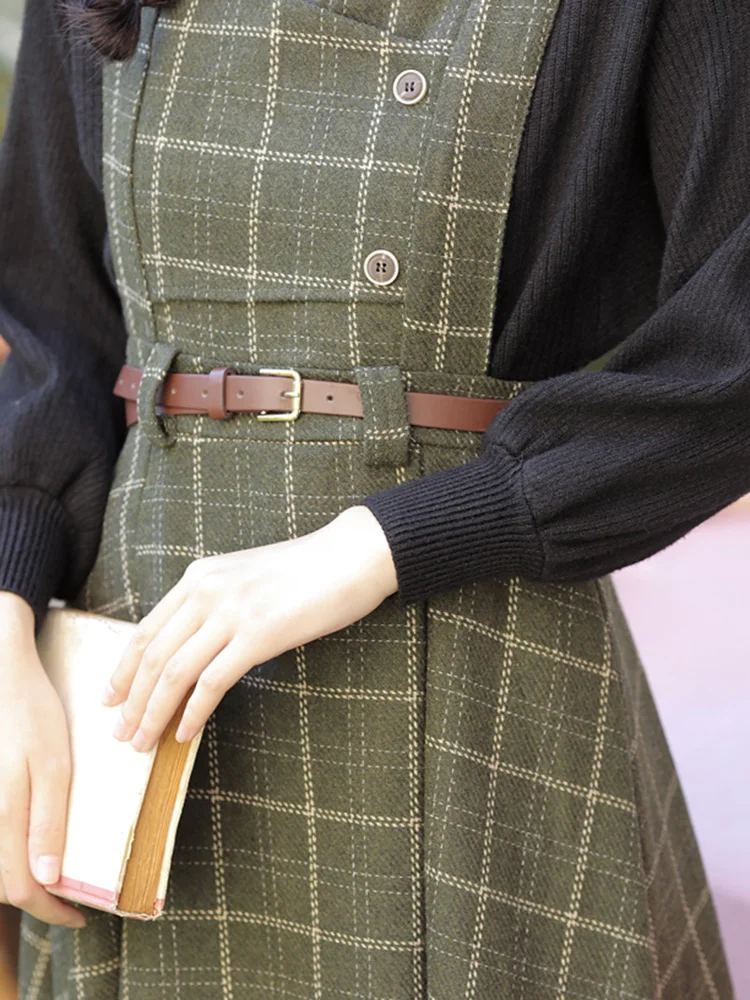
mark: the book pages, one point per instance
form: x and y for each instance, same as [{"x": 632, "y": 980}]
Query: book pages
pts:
[
  {"x": 176, "y": 816},
  {"x": 80, "y": 651}
]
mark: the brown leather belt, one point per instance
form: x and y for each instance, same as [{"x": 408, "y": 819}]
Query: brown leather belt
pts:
[{"x": 282, "y": 394}]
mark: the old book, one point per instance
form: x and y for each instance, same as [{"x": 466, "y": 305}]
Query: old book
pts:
[{"x": 124, "y": 805}]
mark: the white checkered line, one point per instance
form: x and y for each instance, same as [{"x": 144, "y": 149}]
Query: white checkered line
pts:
[
  {"x": 115, "y": 166},
  {"x": 452, "y": 221},
  {"x": 472, "y": 74},
  {"x": 692, "y": 933},
  {"x": 503, "y": 636},
  {"x": 535, "y": 777},
  {"x": 272, "y": 89},
  {"x": 558, "y": 713},
  {"x": 124, "y": 170},
  {"x": 466, "y": 204},
  {"x": 124, "y": 960},
  {"x": 159, "y": 149},
  {"x": 82, "y": 972},
  {"x": 43, "y": 947},
  {"x": 416, "y": 623},
  {"x": 320, "y": 691},
  {"x": 540, "y": 981},
  {"x": 133, "y": 488},
  {"x": 305, "y": 930},
  {"x": 687, "y": 933},
  {"x": 588, "y": 825},
  {"x": 304, "y": 722},
  {"x": 416, "y": 46},
  {"x": 505, "y": 670},
  {"x": 130, "y": 295},
  {"x": 217, "y": 851},
  {"x": 132, "y": 483},
  {"x": 540, "y": 909},
  {"x": 663, "y": 805},
  {"x": 271, "y": 277},
  {"x": 384, "y": 53},
  {"x": 663, "y": 831},
  {"x": 214, "y": 90},
  {"x": 354, "y": 163},
  {"x": 455, "y": 716},
  {"x": 296, "y": 809}
]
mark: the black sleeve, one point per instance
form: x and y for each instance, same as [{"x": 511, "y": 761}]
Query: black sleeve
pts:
[
  {"x": 586, "y": 472},
  {"x": 60, "y": 426}
]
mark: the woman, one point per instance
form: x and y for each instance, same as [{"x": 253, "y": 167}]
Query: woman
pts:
[{"x": 431, "y": 767}]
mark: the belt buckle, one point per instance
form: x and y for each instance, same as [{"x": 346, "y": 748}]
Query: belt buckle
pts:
[{"x": 295, "y": 394}]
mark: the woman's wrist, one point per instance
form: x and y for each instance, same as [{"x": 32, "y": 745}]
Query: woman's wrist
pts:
[
  {"x": 365, "y": 541},
  {"x": 15, "y": 607},
  {"x": 17, "y": 618}
]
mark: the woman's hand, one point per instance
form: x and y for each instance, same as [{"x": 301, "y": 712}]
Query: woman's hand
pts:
[
  {"x": 34, "y": 772},
  {"x": 231, "y": 612}
]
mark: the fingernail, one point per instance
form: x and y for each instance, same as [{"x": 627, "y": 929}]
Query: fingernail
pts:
[
  {"x": 121, "y": 729},
  {"x": 140, "y": 740},
  {"x": 183, "y": 733},
  {"x": 109, "y": 696},
  {"x": 47, "y": 869},
  {"x": 77, "y": 921}
]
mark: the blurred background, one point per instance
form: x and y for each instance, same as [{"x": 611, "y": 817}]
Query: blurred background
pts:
[
  {"x": 686, "y": 607},
  {"x": 10, "y": 32}
]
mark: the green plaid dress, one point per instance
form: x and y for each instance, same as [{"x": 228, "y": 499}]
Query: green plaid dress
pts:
[{"x": 467, "y": 799}]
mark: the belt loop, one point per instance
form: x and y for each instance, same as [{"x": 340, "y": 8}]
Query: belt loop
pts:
[
  {"x": 216, "y": 398},
  {"x": 158, "y": 430},
  {"x": 386, "y": 432}
]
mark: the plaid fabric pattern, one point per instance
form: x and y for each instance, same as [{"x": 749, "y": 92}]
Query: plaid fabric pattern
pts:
[{"x": 468, "y": 798}]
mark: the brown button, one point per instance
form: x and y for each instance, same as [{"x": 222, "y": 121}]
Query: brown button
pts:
[
  {"x": 381, "y": 267},
  {"x": 410, "y": 86}
]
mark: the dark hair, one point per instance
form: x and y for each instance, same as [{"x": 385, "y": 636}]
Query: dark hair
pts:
[{"x": 111, "y": 27}]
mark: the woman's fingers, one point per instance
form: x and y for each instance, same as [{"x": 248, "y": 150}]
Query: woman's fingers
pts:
[
  {"x": 224, "y": 671},
  {"x": 50, "y": 782},
  {"x": 178, "y": 676},
  {"x": 119, "y": 683},
  {"x": 20, "y": 888},
  {"x": 165, "y": 647}
]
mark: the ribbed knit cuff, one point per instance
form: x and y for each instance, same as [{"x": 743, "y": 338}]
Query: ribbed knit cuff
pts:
[
  {"x": 458, "y": 526},
  {"x": 33, "y": 546}
]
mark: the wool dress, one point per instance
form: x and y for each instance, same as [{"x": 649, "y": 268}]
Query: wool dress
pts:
[{"x": 467, "y": 798}]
